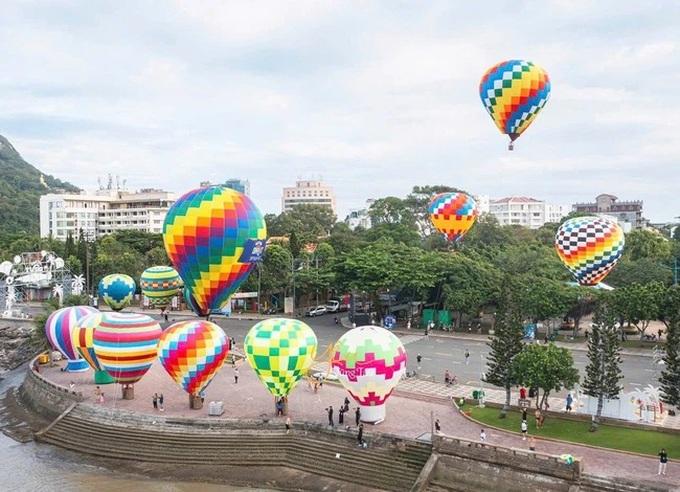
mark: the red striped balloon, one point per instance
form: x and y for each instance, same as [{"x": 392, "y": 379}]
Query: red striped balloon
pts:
[{"x": 125, "y": 345}]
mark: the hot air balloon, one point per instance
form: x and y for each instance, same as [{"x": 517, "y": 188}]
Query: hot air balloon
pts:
[
  {"x": 160, "y": 284},
  {"x": 117, "y": 290},
  {"x": 192, "y": 352},
  {"x": 83, "y": 341},
  {"x": 452, "y": 214},
  {"x": 513, "y": 93},
  {"x": 59, "y": 330},
  {"x": 193, "y": 305},
  {"x": 369, "y": 362},
  {"x": 125, "y": 345},
  {"x": 589, "y": 247},
  {"x": 280, "y": 350},
  {"x": 213, "y": 237}
]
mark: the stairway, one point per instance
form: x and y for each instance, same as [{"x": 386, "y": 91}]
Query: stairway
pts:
[
  {"x": 332, "y": 456},
  {"x": 592, "y": 483}
]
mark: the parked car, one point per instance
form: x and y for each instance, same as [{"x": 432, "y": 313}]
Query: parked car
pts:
[
  {"x": 332, "y": 306},
  {"x": 316, "y": 311}
]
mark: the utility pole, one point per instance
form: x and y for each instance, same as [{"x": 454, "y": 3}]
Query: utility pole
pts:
[{"x": 675, "y": 269}]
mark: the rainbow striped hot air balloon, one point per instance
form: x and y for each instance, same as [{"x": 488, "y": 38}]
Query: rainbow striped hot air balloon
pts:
[
  {"x": 83, "y": 341},
  {"x": 160, "y": 284},
  {"x": 369, "y": 362},
  {"x": 213, "y": 237},
  {"x": 117, "y": 290},
  {"x": 280, "y": 350},
  {"x": 589, "y": 247},
  {"x": 192, "y": 352},
  {"x": 453, "y": 214},
  {"x": 513, "y": 93},
  {"x": 125, "y": 345},
  {"x": 59, "y": 330}
]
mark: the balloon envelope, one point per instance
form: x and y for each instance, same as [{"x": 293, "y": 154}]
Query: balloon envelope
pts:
[
  {"x": 125, "y": 345},
  {"x": 513, "y": 93},
  {"x": 192, "y": 352},
  {"x": 160, "y": 284},
  {"x": 117, "y": 290},
  {"x": 193, "y": 305},
  {"x": 452, "y": 214},
  {"x": 213, "y": 237},
  {"x": 369, "y": 362},
  {"x": 83, "y": 339},
  {"x": 280, "y": 350},
  {"x": 59, "y": 330},
  {"x": 589, "y": 247}
]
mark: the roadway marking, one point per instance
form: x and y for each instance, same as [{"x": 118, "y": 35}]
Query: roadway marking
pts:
[
  {"x": 650, "y": 370},
  {"x": 635, "y": 384}
]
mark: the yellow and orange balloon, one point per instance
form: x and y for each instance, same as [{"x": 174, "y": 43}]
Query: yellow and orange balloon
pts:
[{"x": 453, "y": 214}]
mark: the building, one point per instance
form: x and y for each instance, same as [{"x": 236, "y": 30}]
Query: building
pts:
[
  {"x": 308, "y": 192},
  {"x": 240, "y": 185},
  {"x": 628, "y": 214},
  {"x": 483, "y": 204},
  {"x": 526, "y": 212},
  {"x": 359, "y": 217},
  {"x": 103, "y": 212}
]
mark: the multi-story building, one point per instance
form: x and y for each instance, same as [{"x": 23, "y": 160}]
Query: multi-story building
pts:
[
  {"x": 483, "y": 204},
  {"x": 358, "y": 217},
  {"x": 527, "y": 212},
  {"x": 628, "y": 214},
  {"x": 103, "y": 212},
  {"x": 240, "y": 185},
  {"x": 308, "y": 192}
]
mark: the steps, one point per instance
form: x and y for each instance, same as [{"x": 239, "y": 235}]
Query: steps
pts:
[
  {"x": 381, "y": 468},
  {"x": 593, "y": 483}
]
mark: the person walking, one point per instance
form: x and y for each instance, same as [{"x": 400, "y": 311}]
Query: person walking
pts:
[
  {"x": 663, "y": 461},
  {"x": 154, "y": 400},
  {"x": 437, "y": 427},
  {"x": 419, "y": 359},
  {"x": 538, "y": 416},
  {"x": 346, "y": 404},
  {"x": 357, "y": 415},
  {"x": 532, "y": 444},
  {"x": 360, "y": 435},
  {"x": 427, "y": 332},
  {"x": 160, "y": 402},
  {"x": 467, "y": 357},
  {"x": 289, "y": 425},
  {"x": 570, "y": 400},
  {"x": 330, "y": 416},
  {"x": 482, "y": 436},
  {"x": 447, "y": 378},
  {"x": 524, "y": 413},
  {"x": 524, "y": 428},
  {"x": 101, "y": 399},
  {"x": 235, "y": 375}
]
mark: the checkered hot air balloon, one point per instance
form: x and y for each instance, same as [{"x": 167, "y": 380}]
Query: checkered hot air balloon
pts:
[
  {"x": 213, "y": 237},
  {"x": 83, "y": 341},
  {"x": 589, "y": 247},
  {"x": 117, "y": 290},
  {"x": 369, "y": 362},
  {"x": 280, "y": 350},
  {"x": 192, "y": 352},
  {"x": 513, "y": 93},
  {"x": 59, "y": 330},
  {"x": 160, "y": 284},
  {"x": 125, "y": 345},
  {"x": 453, "y": 214}
]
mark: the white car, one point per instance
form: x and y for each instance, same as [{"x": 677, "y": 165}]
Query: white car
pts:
[{"x": 316, "y": 311}]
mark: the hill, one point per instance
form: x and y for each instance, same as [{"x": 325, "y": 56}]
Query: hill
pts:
[{"x": 20, "y": 189}]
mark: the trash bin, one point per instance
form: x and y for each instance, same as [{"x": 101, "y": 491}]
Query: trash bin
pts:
[{"x": 43, "y": 359}]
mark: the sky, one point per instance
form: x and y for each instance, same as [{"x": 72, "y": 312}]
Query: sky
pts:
[{"x": 371, "y": 97}]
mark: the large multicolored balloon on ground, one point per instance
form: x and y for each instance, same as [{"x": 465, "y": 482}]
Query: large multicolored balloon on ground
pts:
[
  {"x": 452, "y": 214},
  {"x": 513, "y": 93},
  {"x": 59, "y": 330},
  {"x": 589, "y": 247},
  {"x": 83, "y": 341},
  {"x": 125, "y": 345},
  {"x": 213, "y": 237},
  {"x": 193, "y": 305},
  {"x": 160, "y": 284},
  {"x": 281, "y": 351},
  {"x": 192, "y": 352},
  {"x": 117, "y": 290},
  {"x": 369, "y": 362}
]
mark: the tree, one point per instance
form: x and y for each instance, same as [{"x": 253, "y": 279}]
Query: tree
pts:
[
  {"x": 638, "y": 304},
  {"x": 603, "y": 373},
  {"x": 647, "y": 244},
  {"x": 505, "y": 345},
  {"x": 670, "y": 376},
  {"x": 642, "y": 271},
  {"x": 545, "y": 367}
]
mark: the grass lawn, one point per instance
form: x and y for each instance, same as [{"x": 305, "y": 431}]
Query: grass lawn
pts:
[{"x": 620, "y": 438}]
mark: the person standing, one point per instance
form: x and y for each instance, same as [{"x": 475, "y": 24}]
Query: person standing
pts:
[
  {"x": 360, "y": 435},
  {"x": 538, "y": 416},
  {"x": 523, "y": 393},
  {"x": 437, "y": 427},
  {"x": 101, "y": 399},
  {"x": 346, "y": 403},
  {"x": 570, "y": 400},
  {"x": 532, "y": 444},
  {"x": 524, "y": 427},
  {"x": 663, "y": 461},
  {"x": 289, "y": 425},
  {"x": 419, "y": 359},
  {"x": 357, "y": 416},
  {"x": 160, "y": 402},
  {"x": 427, "y": 332},
  {"x": 330, "y": 416},
  {"x": 482, "y": 436},
  {"x": 341, "y": 416},
  {"x": 447, "y": 377},
  {"x": 467, "y": 357},
  {"x": 524, "y": 413},
  {"x": 235, "y": 375},
  {"x": 154, "y": 400}
]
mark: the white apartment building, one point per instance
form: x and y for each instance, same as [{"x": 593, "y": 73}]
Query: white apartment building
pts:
[
  {"x": 358, "y": 217},
  {"x": 526, "y": 212},
  {"x": 308, "y": 192},
  {"x": 103, "y": 212},
  {"x": 483, "y": 203}
]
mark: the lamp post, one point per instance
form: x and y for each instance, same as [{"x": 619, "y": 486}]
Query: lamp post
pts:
[
  {"x": 259, "y": 285},
  {"x": 481, "y": 380}
]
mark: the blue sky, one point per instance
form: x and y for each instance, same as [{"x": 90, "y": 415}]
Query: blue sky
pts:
[{"x": 373, "y": 97}]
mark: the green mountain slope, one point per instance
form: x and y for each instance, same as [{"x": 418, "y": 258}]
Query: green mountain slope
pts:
[{"x": 20, "y": 190}]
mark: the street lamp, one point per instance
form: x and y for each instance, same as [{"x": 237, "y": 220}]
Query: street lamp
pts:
[{"x": 481, "y": 380}]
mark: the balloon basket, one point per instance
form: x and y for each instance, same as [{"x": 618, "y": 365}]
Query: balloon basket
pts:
[
  {"x": 195, "y": 402},
  {"x": 128, "y": 392},
  {"x": 79, "y": 365},
  {"x": 373, "y": 415},
  {"x": 103, "y": 377},
  {"x": 511, "y": 146}
]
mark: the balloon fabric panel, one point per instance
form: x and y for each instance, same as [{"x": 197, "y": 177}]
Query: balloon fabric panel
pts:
[
  {"x": 83, "y": 339},
  {"x": 453, "y": 214},
  {"x": 513, "y": 93},
  {"x": 59, "y": 329}
]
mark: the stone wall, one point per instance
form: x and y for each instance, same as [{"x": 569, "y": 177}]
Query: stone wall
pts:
[{"x": 44, "y": 396}]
